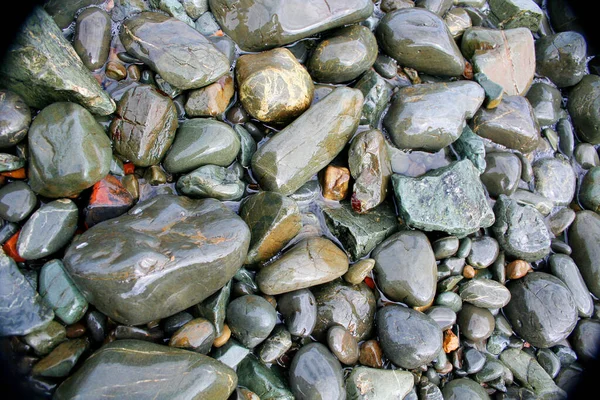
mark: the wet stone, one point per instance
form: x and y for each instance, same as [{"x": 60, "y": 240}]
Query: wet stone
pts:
[
  {"x": 371, "y": 354},
  {"x": 584, "y": 239},
  {"x": 585, "y": 340},
  {"x": 565, "y": 269},
  {"x": 444, "y": 316},
  {"x": 471, "y": 147},
  {"x": 171, "y": 324},
  {"x": 61, "y": 360},
  {"x": 138, "y": 363},
  {"x": 458, "y": 20},
  {"x": 562, "y": 58},
  {"x": 174, "y": 8},
  {"x": 334, "y": 182},
  {"x": 212, "y": 100},
  {"x": 464, "y": 388},
  {"x": 9, "y": 162},
  {"x": 60, "y": 293},
  {"x": 484, "y": 251},
  {"x": 214, "y": 307},
  {"x": 275, "y": 345},
  {"x": 195, "y": 8},
  {"x": 449, "y": 199},
  {"x": 43, "y": 68},
  {"x": 17, "y": 201},
  {"x": 109, "y": 199},
  {"x": 97, "y": 325},
  {"x": 449, "y": 283},
  {"x": 343, "y": 345},
  {"x": 44, "y": 340},
  {"x": 144, "y": 36},
  {"x": 445, "y": 247},
  {"x": 211, "y": 181},
  {"x": 264, "y": 382},
  {"x": 561, "y": 220},
  {"x": 247, "y": 145},
  {"x": 360, "y": 233},
  {"x": 15, "y": 118},
  {"x": 492, "y": 369},
  {"x": 419, "y": 39},
  {"x": 508, "y": 14},
  {"x": 485, "y": 293},
  {"x": 386, "y": 66},
  {"x": 369, "y": 383},
  {"x": 350, "y": 306},
  {"x": 450, "y": 300},
  {"x": 475, "y": 323},
  {"x": 251, "y": 319},
  {"x": 549, "y": 361},
  {"x": 92, "y": 37},
  {"x": 316, "y": 373},
  {"x": 196, "y": 335},
  {"x": 518, "y": 269},
  {"x": 502, "y": 174},
  {"x": 409, "y": 120},
  {"x": 344, "y": 55},
  {"x": 299, "y": 310},
  {"x": 555, "y": 179},
  {"x": 493, "y": 91},
  {"x": 405, "y": 268},
  {"x": 589, "y": 191},
  {"x": 542, "y": 309},
  {"x": 273, "y": 85},
  {"x": 586, "y": 156},
  {"x": 546, "y": 101},
  {"x": 526, "y": 198},
  {"x": 586, "y": 117},
  {"x": 408, "y": 338},
  {"x": 473, "y": 360},
  {"x": 359, "y": 271}
]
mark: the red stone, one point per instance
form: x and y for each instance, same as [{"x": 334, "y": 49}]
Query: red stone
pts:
[
  {"x": 109, "y": 199},
  {"x": 16, "y": 174},
  {"x": 129, "y": 168},
  {"x": 10, "y": 248},
  {"x": 370, "y": 282}
]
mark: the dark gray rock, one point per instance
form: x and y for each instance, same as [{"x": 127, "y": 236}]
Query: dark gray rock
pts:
[
  {"x": 15, "y": 118},
  {"x": 582, "y": 106},
  {"x": 299, "y": 310},
  {"x": 464, "y": 388},
  {"x": 484, "y": 251},
  {"x": 475, "y": 323},
  {"x": 565, "y": 269},
  {"x": 502, "y": 173},
  {"x": 316, "y": 374},
  {"x": 17, "y": 201},
  {"x": 251, "y": 319},
  {"x": 92, "y": 37},
  {"x": 546, "y": 101},
  {"x": 562, "y": 57},
  {"x": 584, "y": 239}
]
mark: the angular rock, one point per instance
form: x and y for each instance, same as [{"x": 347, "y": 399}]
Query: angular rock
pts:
[
  {"x": 62, "y": 359},
  {"x": 377, "y": 93},
  {"x": 562, "y": 57},
  {"x": 375, "y": 384},
  {"x": 419, "y": 39},
  {"x": 582, "y": 106},
  {"x": 584, "y": 239},
  {"x": 485, "y": 293},
  {"x": 471, "y": 147},
  {"x": 458, "y": 21},
  {"x": 263, "y": 381},
  {"x": 555, "y": 180},
  {"x": 184, "y": 374},
  {"x": 43, "y": 68},
  {"x": 360, "y": 233},
  {"x": 413, "y": 124},
  {"x": 311, "y": 262},
  {"x": 15, "y": 118},
  {"x": 144, "y": 126},
  {"x": 316, "y": 374},
  {"x": 276, "y": 345},
  {"x": 449, "y": 199},
  {"x": 507, "y": 14},
  {"x": 17, "y": 201},
  {"x": 109, "y": 199},
  {"x": 493, "y": 91},
  {"x": 44, "y": 340},
  {"x": 405, "y": 268},
  {"x": 291, "y": 157},
  {"x": 214, "y": 308},
  {"x": 159, "y": 248},
  {"x": 507, "y": 57},
  {"x": 92, "y": 37},
  {"x": 60, "y": 293},
  {"x": 273, "y": 220},
  {"x": 256, "y": 27},
  {"x": 181, "y": 55},
  {"x": 251, "y": 319},
  {"x": 512, "y": 124},
  {"x": 546, "y": 101},
  {"x": 68, "y": 151}
]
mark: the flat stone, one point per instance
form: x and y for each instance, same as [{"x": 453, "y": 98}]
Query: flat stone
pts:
[
  {"x": 405, "y": 268},
  {"x": 458, "y": 21},
  {"x": 549, "y": 361},
  {"x": 565, "y": 269},
  {"x": 63, "y": 11},
  {"x": 473, "y": 360},
  {"x": 506, "y": 57},
  {"x": 263, "y": 381},
  {"x": 408, "y": 338},
  {"x": 493, "y": 91},
  {"x": 44, "y": 340},
  {"x": 555, "y": 180},
  {"x": 230, "y": 353},
  {"x": 311, "y": 262},
  {"x": 485, "y": 293},
  {"x": 109, "y": 199},
  {"x": 375, "y": 384},
  {"x": 586, "y": 117},
  {"x": 542, "y": 309},
  {"x": 211, "y": 181},
  {"x": 562, "y": 58},
  {"x": 584, "y": 239},
  {"x": 512, "y": 124},
  {"x": 412, "y": 123},
  {"x": 360, "y": 233},
  {"x": 43, "y": 68},
  {"x": 449, "y": 199},
  {"x": 586, "y": 156},
  {"x": 539, "y": 202},
  {"x": 464, "y": 388},
  {"x": 196, "y": 375},
  {"x": 377, "y": 93},
  {"x": 60, "y": 293},
  {"x": 419, "y": 39},
  {"x": 196, "y": 335},
  {"x": 359, "y": 271},
  {"x": 92, "y": 37},
  {"x": 153, "y": 248},
  {"x": 180, "y": 54},
  {"x": 444, "y": 316},
  {"x": 502, "y": 173},
  {"x": 62, "y": 359},
  {"x": 283, "y": 23},
  {"x": 507, "y": 14},
  {"x": 211, "y": 100},
  {"x": 273, "y": 220},
  {"x": 309, "y": 143}
]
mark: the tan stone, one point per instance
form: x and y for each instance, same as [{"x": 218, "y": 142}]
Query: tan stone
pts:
[
  {"x": 211, "y": 100},
  {"x": 518, "y": 269},
  {"x": 224, "y": 338},
  {"x": 335, "y": 182},
  {"x": 451, "y": 341}
]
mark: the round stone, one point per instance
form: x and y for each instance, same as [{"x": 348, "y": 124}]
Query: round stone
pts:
[
  {"x": 464, "y": 388},
  {"x": 502, "y": 173},
  {"x": 475, "y": 323},
  {"x": 555, "y": 180},
  {"x": 299, "y": 310},
  {"x": 251, "y": 319},
  {"x": 197, "y": 335},
  {"x": 17, "y": 201},
  {"x": 484, "y": 251},
  {"x": 316, "y": 374},
  {"x": 586, "y": 340},
  {"x": 562, "y": 58},
  {"x": 343, "y": 345}
]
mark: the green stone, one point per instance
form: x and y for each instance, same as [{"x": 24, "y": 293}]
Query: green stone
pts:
[
  {"x": 174, "y": 8},
  {"x": 589, "y": 191},
  {"x": 485, "y": 293},
  {"x": 49, "y": 229},
  {"x": 565, "y": 269},
  {"x": 365, "y": 383},
  {"x": 275, "y": 345},
  {"x": 538, "y": 202},
  {"x": 257, "y": 377},
  {"x": 475, "y": 323},
  {"x": 294, "y": 155},
  {"x": 360, "y": 233},
  {"x": 484, "y": 250},
  {"x": 69, "y": 151},
  {"x": 60, "y": 293},
  {"x": 566, "y": 134},
  {"x": 311, "y": 262},
  {"x": 17, "y": 201},
  {"x": 584, "y": 239},
  {"x": 377, "y": 93},
  {"x": 583, "y": 110},
  {"x": 562, "y": 57},
  {"x": 549, "y": 361},
  {"x": 22, "y": 310},
  {"x": 214, "y": 308},
  {"x": 43, "y": 68},
  {"x": 201, "y": 142},
  {"x": 546, "y": 101},
  {"x": 561, "y": 220},
  {"x": 251, "y": 319},
  {"x": 316, "y": 374},
  {"x": 8, "y": 162},
  {"x": 284, "y": 22},
  {"x": 586, "y": 155},
  {"x": 450, "y": 300},
  {"x": 273, "y": 220},
  {"x": 359, "y": 271},
  {"x": 344, "y": 55},
  {"x": 419, "y": 39},
  {"x": 128, "y": 369},
  {"x": 471, "y": 147},
  {"x": 502, "y": 173},
  {"x": 445, "y": 247},
  {"x": 449, "y": 283},
  {"x": 211, "y": 181},
  {"x": 44, "y": 340},
  {"x": 508, "y": 14},
  {"x": 181, "y": 55},
  {"x": 60, "y": 362},
  {"x": 493, "y": 91},
  {"x": 405, "y": 268},
  {"x": 15, "y": 118},
  {"x": 409, "y": 121},
  {"x": 230, "y": 354},
  {"x": 464, "y": 388},
  {"x": 63, "y": 11},
  {"x": 247, "y": 145},
  {"x": 555, "y": 180},
  {"x": 458, "y": 21},
  {"x": 92, "y": 37},
  {"x": 161, "y": 246},
  {"x": 449, "y": 199},
  {"x": 492, "y": 369}
]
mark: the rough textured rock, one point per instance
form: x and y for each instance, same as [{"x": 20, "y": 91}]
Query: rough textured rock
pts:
[
  {"x": 366, "y": 383},
  {"x": 583, "y": 106},
  {"x": 507, "y": 14},
  {"x": 562, "y": 58},
  {"x": 449, "y": 199},
  {"x": 132, "y": 273},
  {"x": 15, "y": 118}
]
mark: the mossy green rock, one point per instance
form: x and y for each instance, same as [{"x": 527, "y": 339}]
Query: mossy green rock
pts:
[
  {"x": 405, "y": 268},
  {"x": 562, "y": 57},
  {"x": 431, "y": 116},
  {"x": 589, "y": 192},
  {"x": 128, "y": 369},
  {"x": 464, "y": 389},
  {"x": 512, "y": 124},
  {"x": 144, "y": 127},
  {"x": 508, "y": 14},
  {"x": 92, "y": 37},
  {"x": 294, "y": 155},
  {"x": 272, "y": 23},
  {"x": 360, "y": 233},
  {"x": 542, "y": 309},
  {"x": 201, "y": 142},
  {"x": 144, "y": 265},
  {"x": 343, "y": 56},
  {"x": 43, "y": 68},
  {"x": 273, "y": 220},
  {"x": 366, "y": 383},
  {"x": 181, "y": 55},
  {"x": 449, "y": 199},
  {"x": 584, "y": 239},
  {"x": 584, "y": 108},
  {"x": 68, "y": 151},
  {"x": 212, "y": 181},
  {"x": 471, "y": 147},
  {"x": 419, "y": 39},
  {"x": 257, "y": 377}
]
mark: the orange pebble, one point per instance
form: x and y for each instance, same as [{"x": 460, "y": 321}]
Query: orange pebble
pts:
[
  {"x": 16, "y": 174},
  {"x": 518, "y": 269},
  {"x": 451, "y": 341},
  {"x": 221, "y": 340},
  {"x": 370, "y": 282},
  {"x": 129, "y": 168},
  {"x": 10, "y": 248}
]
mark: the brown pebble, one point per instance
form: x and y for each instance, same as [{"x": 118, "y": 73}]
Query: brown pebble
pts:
[
  {"x": 371, "y": 354},
  {"x": 115, "y": 70},
  {"x": 133, "y": 72},
  {"x": 518, "y": 269},
  {"x": 468, "y": 272},
  {"x": 153, "y": 324},
  {"x": 76, "y": 330},
  {"x": 224, "y": 338},
  {"x": 270, "y": 299},
  {"x": 425, "y": 307},
  {"x": 468, "y": 71},
  {"x": 451, "y": 341},
  {"x": 335, "y": 182},
  {"x": 413, "y": 75}
]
